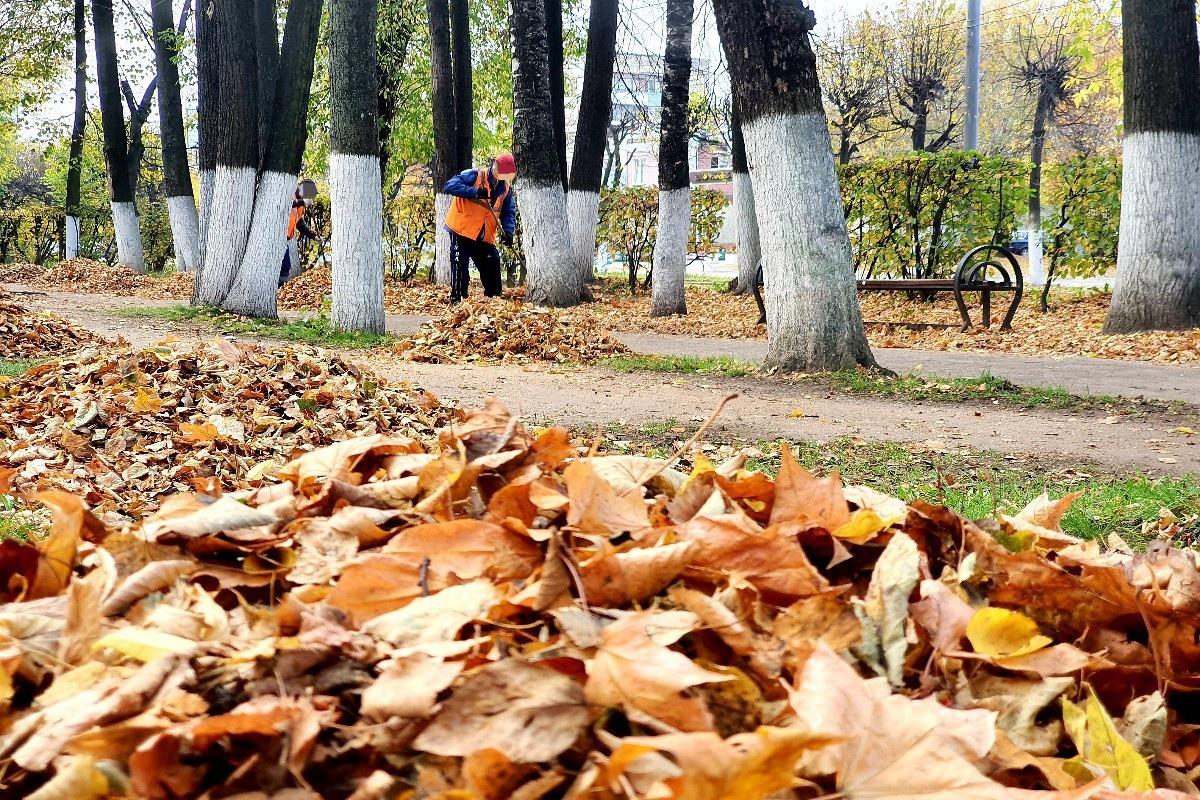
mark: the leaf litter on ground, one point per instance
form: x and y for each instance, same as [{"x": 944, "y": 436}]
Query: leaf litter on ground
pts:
[
  {"x": 26, "y": 334},
  {"x": 501, "y": 612}
]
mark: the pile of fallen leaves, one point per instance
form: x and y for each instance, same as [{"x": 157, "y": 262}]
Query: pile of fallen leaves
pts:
[
  {"x": 509, "y": 615},
  {"x": 174, "y": 286},
  {"x": 312, "y": 292},
  {"x": 85, "y": 275},
  {"x": 20, "y": 272},
  {"x": 124, "y": 427},
  {"x": 500, "y": 329},
  {"x": 26, "y": 334}
]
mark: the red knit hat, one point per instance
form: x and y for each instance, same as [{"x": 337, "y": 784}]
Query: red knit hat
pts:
[{"x": 505, "y": 164}]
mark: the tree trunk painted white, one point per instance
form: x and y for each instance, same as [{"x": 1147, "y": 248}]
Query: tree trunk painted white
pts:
[
  {"x": 72, "y": 236},
  {"x": 745, "y": 218},
  {"x": 441, "y": 241},
  {"x": 1036, "y": 269},
  {"x": 555, "y": 279},
  {"x": 583, "y": 210},
  {"x": 1158, "y": 263},
  {"x": 185, "y": 232},
  {"x": 670, "y": 253},
  {"x": 356, "y": 206},
  {"x": 813, "y": 318},
  {"x": 254, "y": 289},
  {"x": 295, "y": 267},
  {"x": 128, "y": 232},
  {"x": 208, "y": 178},
  {"x": 232, "y": 205}
]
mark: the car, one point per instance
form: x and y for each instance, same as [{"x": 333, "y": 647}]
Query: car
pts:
[{"x": 1019, "y": 244}]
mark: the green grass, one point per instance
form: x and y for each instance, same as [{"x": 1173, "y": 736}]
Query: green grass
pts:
[
  {"x": 315, "y": 330},
  {"x": 12, "y": 368},
  {"x": 976, "y": 484},
  {"x": 685, "y": 365},
  {"x": 16, "y": 523},
  {"x": 984, "y": 388}
]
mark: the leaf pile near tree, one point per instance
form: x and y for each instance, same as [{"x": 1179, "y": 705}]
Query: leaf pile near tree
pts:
[
  {"x": 85, "y": 275},
  {"x": 20, "y": 272},
  {"x": 506, "y": 614},
  {"x": 124, "y": 427},
  {"x": 500, "y": 329},
  {"x": 174, "y": 286},
  {"x": 26, "y": 334}
]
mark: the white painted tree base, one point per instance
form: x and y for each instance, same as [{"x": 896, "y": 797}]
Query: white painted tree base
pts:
[
  {"x": 1158, "y": 263},
  {"x": 185, "y": 232},
  {"x": 254, "y": 289},
  {"x": 442, "y": 269},
  {"x": 72, "y": 237},
  {"x": 583, "y": 215},
  {"x": 128, "y": 232},
  {"x": 745, "y": 220},
  {"x": 1036, "y": 270},
  {"x": 208, "y": 177},
  {"x": 545, "y": 238},
  {"x": 228, "y": 228},
  {"x": 670, "y": 253},
  {"x": 813, "y": 319},
  {"x": 356, "y": 206}
]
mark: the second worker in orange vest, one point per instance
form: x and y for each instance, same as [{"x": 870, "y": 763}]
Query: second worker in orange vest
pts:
[{"x": 483, "y": 207}]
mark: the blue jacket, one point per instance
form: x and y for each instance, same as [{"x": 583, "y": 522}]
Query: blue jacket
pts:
[{"x": 463, "y": 185}]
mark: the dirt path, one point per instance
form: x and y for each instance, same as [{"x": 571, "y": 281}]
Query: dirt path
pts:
[{"x": 765, "y": 409}]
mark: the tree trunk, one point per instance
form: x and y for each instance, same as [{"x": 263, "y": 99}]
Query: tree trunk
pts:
[
  {"x": 112, "y": 118},
  {"x": 78, "y": 128},
  {"x": 266, "y": 36},
  {"x": 464, "y": 99},
  {"x": 237, "y": 151},
  {"x": 356, "y": 203},
  {"x": 1158, "y": 263},
  {"x": 139, "y": 112},
  {"x": 554, "y": 278},
  {"x": 591, "y": 131},
  {"x": 745, "y": 218},
  {"x": 254, "y": 290},
  {"x": 919, "y": 127},
  {"x": 445, "y": 141},
  {"x": 674, "y": 177},
  {"x": 207, "y": 113},
  {"x": 813, "y": 319},
  {"x": 554, "y": 46},
  {"x": 1037, "y": 144},
  {"x": 177, "y": 178}
]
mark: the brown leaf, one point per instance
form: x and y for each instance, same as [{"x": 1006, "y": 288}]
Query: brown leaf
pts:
[
  {"x": 943, "y": 614},
  {"x": 466, "y": 549},
  {"x": 408, "y": 687},
  {"x": 799, "y": 496},
  {"x": 436, "y": 618},
  {"x": 825, "y": 617},
  {"x": 596, "y": 508},
  {"x": 528, "y": 713},
  {"x": 617, "y": 579}
]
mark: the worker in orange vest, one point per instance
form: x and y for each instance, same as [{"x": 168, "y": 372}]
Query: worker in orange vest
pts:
[
  {"x": 483, "y": 208},
  {"x": 306, "y": 190}
]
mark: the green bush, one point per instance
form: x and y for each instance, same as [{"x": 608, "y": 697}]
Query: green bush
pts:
[
  {"x": 915, "y": 215},
  {"x": 1081, "y": 230},
  {"x": 408, "y": 233},
  {"x": 35, "y": 233}
]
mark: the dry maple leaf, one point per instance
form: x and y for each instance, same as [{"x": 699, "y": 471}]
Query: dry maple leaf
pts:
[
  {"x": 595, "y": 507},
  {"x": 617, "y": 579},
  {"x": 635, "y": 669},
  {"x": 528, "y": 713},
  {"x": 409, "y": 686},
  {"x": 800, "y": 496}
]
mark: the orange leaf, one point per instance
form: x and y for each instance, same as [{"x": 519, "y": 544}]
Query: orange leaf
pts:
[{"x": 800, "y": 496}]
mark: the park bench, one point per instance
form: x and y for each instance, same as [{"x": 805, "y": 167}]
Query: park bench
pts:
[{"x": 985, "y": 269}]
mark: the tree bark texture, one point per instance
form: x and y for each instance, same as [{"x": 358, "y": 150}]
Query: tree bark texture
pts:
[
  {"x": 591, "y": 131},
  {"x": 78, "y": 129},
  {"x": 558, "y": 89},
  {"x": 112, "y": 119},
  {"x": 554, "y": 279},
  {"x": 207, "y": 111},
  {"x": 813, "y": 319},
  {"x": 1158, "y": 263},
  {"x": 445, "y": 137},
  {"x": 744, "y": 215},
  {"x": 356, "y": 200},
  {"x": 464, "y": 98},
  {"x": 1037, "y": 146},
  {"x": 674, "y": 177},
  {"x": 177, "y": 177},
  {"x": 254, "y": 289},
  {"x": 236, "y": 149},
  {"x": 266, "y": 34}
]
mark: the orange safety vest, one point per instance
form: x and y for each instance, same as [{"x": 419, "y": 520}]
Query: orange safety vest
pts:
[
  {"x": 294, "y": 220},
  {"x": 471, "y": 217}
]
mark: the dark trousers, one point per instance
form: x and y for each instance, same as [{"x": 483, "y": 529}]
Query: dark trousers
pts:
[{"x": 487, "y": 260}]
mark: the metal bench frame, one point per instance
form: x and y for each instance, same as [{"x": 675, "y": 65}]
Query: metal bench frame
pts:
[{"x": 971, "y": 275}]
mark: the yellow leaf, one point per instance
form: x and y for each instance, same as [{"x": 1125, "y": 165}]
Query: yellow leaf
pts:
[
  {"x": 147, "y": 402},
  {"x": 1096, "y": 738},
  {"x": 143, "y": 644},
  {"x": 1000, "y": 633},
  {"x": 198, "y": 434},
  {"x": 862, "y": 525},
  {"x": 796, "y": 413}
]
